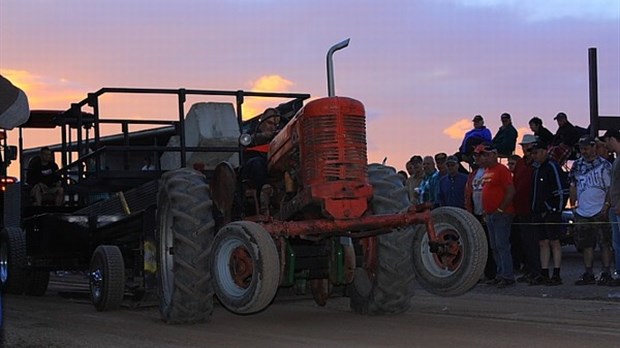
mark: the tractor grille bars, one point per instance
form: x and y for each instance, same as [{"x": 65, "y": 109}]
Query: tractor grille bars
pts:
[{"x": 334, "y": 148}]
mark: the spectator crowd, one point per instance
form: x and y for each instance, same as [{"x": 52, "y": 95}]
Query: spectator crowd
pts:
[{"x": 520, "y": 200}]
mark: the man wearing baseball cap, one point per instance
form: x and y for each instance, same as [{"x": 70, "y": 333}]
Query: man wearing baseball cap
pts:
[
  {"x": 452, "y": 185},
  {"x": 566, "y": 134},
  {"x": 477, "y": 135},
  {"x": 497, "y": 193},
  {"x": 590, "y": 180},
  {"x": 522, "y": 178},
  {"x": 549, "y": 197},
  {"x": 506, "y": 137}
]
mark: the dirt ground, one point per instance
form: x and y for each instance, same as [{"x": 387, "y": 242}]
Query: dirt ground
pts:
[
  {"x": 473, "y": 320},
  {"x": 521, "y": 316}
]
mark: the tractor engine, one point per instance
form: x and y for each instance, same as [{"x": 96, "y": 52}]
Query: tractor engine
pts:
[{"x": 321, "y": 154}]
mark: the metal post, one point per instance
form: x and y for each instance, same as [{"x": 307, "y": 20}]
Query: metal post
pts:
[
  {"x": 330, "y": 66},
  {"x": 77, "y": 112},
  {"x": 20, "y": 142},
  {"x": 125, "y": 129},
  {"x": 93, "y": 101},
  {"x": 594, "y": 119},
  {"x": 63, "y": 146},
  {"x": 182, "y": 126},
  {"x": 4, "y": 155},
  {"x": 240, "y": 100}
]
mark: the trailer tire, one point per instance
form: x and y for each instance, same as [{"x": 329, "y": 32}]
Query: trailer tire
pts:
[
  {"x": 13, "y": 260},
  {"x": 107, "y": 278},
  {"x": 37, "y": 282},
  {"x": 387, "y": 289},
  {"x": 245, "y": 266},
  {"x": 459, "y": 270},
  {"x": 185, "y": 238}
]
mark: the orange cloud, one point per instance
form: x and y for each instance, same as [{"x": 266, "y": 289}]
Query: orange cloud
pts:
[
  {"x": 271, "y": 83},
  {"x": 522, "y": 131},
  {"x": 266, "y": 83},
  {"x": 45, "y": 92},
  {"x": 458, "y": 129}
]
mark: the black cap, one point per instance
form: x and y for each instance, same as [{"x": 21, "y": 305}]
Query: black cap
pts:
[
  {"x": 505, "y": 115},
  {"x": 477, "y": 118},
  {"x": 587, "y": 140},
  {"x": 612, "y": 133},
  {"x": 452, "y": 159},
  {"x": 560, "y": 115}
]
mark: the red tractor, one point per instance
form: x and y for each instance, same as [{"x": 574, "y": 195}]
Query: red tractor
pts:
[
  {"x": 333, "y": 220},
  {"x": 188, "y": 226}
]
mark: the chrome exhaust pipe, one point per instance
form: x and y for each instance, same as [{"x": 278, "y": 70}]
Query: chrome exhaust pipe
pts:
[{"x": 330, "y": 66}]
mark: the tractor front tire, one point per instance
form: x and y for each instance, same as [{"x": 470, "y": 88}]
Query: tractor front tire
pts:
[
  {"x": 387, "y": 288},
  {"x": 245, "y": 266},
  {"x": 458, "y": 270},
  {"x": 185, "y": 239}
]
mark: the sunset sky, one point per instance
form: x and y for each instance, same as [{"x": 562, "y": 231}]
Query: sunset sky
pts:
[{"x": 422, "y": 68}]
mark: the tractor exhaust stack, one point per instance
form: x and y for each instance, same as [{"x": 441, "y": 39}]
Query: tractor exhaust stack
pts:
[{"x": 330, "y": 66}]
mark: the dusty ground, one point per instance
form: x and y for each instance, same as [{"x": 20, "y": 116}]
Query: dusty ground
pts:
[
  {"x": 522, "y": 316},
  {"x": 473, "y": 320}
]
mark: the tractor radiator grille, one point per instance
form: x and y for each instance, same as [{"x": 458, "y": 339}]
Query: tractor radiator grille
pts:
[{"x": 334, "y": 148}]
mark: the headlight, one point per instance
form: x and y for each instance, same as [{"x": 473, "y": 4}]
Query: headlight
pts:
[{"x": 245, "y": 139}]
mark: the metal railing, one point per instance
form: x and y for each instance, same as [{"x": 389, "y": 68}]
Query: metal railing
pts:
[{"x": 91, "y": 149}]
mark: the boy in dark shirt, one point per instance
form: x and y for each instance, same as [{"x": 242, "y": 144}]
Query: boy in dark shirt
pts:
[{"x": 42, "y": 176}]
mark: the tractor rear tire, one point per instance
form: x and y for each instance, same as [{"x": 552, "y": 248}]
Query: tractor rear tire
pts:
[
  {"x": 107, "y": 278},
  {"x": 245, "y": 266},
  {"x": 13, "y": 260},
  {"x": 457, "y": 273},
  {"x": 388, "y": 291},
  {"x": 185, "y": 239}
]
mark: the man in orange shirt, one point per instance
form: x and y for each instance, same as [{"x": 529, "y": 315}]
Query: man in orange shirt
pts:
[{"x": 497, "y": 193}]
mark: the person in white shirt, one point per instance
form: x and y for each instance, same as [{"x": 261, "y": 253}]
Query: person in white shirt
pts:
[{"x": 590, "y": 180}]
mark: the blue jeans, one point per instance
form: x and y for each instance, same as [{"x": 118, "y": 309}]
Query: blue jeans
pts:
[
  {"x": 499, "y": 238},
  {"x": 255, "y": 171},
  {"x": 615, "y": 237}
]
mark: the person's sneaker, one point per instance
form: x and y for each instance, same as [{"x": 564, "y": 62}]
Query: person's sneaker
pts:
[
  {"x": 493, "y": 281},
  {"x": 504, "y": 283},
  {"x": 605, "y": 279},
  {"x": 554, "y": 281},
  {"x": 525, "y": 278},
  {"x": 586, "y": 279},
  {"x": 537, "y": 280}
]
